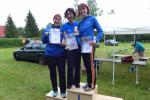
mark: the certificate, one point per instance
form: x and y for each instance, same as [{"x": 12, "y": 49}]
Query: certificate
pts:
[
  {"x": 85, "y": 45},
  {"x": 54, "y": 36},
  {"x": 71, "y": 42}
]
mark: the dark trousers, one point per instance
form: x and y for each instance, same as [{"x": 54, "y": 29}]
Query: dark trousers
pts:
[
  {"x": 53, "y": 63},
  {"x": 73, "y": 63},
  {"x": 87, "y": 63}
]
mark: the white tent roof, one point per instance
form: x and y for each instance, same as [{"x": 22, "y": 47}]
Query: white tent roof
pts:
[
  {"x": 143, "y": 30},
  {"x": 125, "y": 24}
]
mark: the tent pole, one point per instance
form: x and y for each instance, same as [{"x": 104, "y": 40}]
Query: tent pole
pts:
[
  {"x": 134, "y": 35},
  {"x": 104, "y": 45},
  {"x": 113, "y": 80}
]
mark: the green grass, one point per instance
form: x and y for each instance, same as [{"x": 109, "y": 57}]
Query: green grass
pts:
[{"x": 21, "y": 80}]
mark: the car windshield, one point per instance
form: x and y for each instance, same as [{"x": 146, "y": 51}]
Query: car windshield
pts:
[
  {"x": 43, "y": 46},
  {"x": 112, "y": 40},
  {"x": 36, "y": 45},
  {"x": 29, "y": 45}
]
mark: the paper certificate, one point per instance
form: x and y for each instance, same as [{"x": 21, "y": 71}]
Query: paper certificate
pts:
[
  {"x": 54, "y": 36},
  {"x": 71, "y": 42},
  {"x": 85, "y": 45}
]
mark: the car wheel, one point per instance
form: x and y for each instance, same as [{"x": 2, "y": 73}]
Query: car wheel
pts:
[
  {"x": 41, "y": 60},
  {"x": 16, "y": 56}
]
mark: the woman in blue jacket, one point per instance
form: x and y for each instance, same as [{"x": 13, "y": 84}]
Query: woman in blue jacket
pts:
[
  {"x": 72, "y": 52},
  {"x": 55, "y": 55},
  {"x": 86, "y": 28}
]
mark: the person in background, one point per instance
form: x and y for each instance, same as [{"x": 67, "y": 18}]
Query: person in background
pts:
[
  {"x": 138, "y": 48},
  {"x": 26, "y": 41},
  {"x": 55, "y": 55},
  {"x": 73, "y": 55},
  {"x": 86, "y": 28}
]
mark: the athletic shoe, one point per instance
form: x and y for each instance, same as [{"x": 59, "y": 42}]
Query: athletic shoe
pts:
[
  {"x": 63, "y": 95},
  {"x": 54, "y": 93}
]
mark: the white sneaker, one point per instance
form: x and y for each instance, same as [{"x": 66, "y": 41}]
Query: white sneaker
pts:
[
  {"x": 87, "y": 87},
  {"x": 54, "y": 93},
  {"x": 63, "y": 95}
]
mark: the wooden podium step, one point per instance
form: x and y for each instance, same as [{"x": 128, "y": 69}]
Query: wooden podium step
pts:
[
  {"x": 104, "y": 97},
  {"x": 80, "y": 94},
  {"x": 49, "y": 96}
]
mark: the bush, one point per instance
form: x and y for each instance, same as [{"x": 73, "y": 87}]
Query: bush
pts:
[{"x": 10, "y": 42}]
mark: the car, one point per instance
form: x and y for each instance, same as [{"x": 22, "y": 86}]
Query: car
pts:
[
  {"x": 111, "y": 42},
  {"x": 33, "y": 51}
]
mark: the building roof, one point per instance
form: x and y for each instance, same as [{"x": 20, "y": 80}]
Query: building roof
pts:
[{"x": 2, "y": 31}]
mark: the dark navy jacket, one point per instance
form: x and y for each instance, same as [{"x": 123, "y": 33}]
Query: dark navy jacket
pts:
[{"x": 52, "y": 49}]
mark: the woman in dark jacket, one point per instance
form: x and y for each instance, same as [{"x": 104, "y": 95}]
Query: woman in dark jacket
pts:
[{"x": 55, "y": 55}]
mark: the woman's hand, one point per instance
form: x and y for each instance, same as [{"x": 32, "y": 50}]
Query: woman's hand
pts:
[
  {"x": 92, "y": 43},
  {"x": 64, "y": 43}
]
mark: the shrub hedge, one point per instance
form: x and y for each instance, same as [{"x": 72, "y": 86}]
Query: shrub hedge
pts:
[{"x": 10, "y": 42}]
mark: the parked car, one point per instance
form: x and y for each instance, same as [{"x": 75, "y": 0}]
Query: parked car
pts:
[
  {"x": 31, "y": 52},
  {"x": 111, "y": 43}
]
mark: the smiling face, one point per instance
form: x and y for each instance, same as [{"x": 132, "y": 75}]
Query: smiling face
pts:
[
  {"x": 70, "y": 16},
  {"x": 57, "y": 20},
  {"x": 83, "y": 11}
]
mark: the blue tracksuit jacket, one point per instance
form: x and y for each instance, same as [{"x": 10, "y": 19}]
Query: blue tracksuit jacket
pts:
[
  {"x": 52, "y": 49},
  {"x": 69, "y": 29},
  {"x": 86, "y": 28}
]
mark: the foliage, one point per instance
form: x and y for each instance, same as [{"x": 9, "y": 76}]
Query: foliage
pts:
[
  {"x": 40, "y": 32},
  {"x": 93, "y": 7},
  {"x": 126, "y": 38},
  {"x": 31, "y": 28},
  {"x": 10, "y": 42},
  {"x": 11, "y": 29},
  {"x": 21, "y": 31},
  {"x": 76, "y": 3}
]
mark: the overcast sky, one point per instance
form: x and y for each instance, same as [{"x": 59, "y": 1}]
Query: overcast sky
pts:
[{"x": 43, "y": 10}]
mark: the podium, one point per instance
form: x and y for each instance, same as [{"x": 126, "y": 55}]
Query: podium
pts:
[
  {"x": 79, "y": 94},
  {"x": 49, "y": 96}
]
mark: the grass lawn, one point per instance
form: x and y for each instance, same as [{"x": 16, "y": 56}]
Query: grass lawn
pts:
[{"x": 21, "y": 80}]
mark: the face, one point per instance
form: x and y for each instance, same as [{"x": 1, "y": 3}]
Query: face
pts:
[
  {"x": 83, "y": 11},
  {"x": 57, "y": 20},
  {"x": 70, "y": 16}
]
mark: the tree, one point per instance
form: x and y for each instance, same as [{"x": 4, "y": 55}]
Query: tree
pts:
[
  {"x": 76, "y": 3},
  {"x": 93, "y": 7},
  {"x": 31, "y": 28},
  {"x": 11, "y": 29},
  {"x": 21, "y": 31},
  {"x": 40, "y": 32}
]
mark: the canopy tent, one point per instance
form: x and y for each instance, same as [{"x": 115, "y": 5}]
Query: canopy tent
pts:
[
  {"x": 143, "y": 30},
  {"x": 124, "y": 23},
  {"x": 115, "y": 24}
]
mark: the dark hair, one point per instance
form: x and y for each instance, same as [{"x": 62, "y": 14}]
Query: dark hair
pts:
[
  {"x": 57, "y": 15},
  {"x": 70, "y": 10},
  {"x": 83, "y": 5}
]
